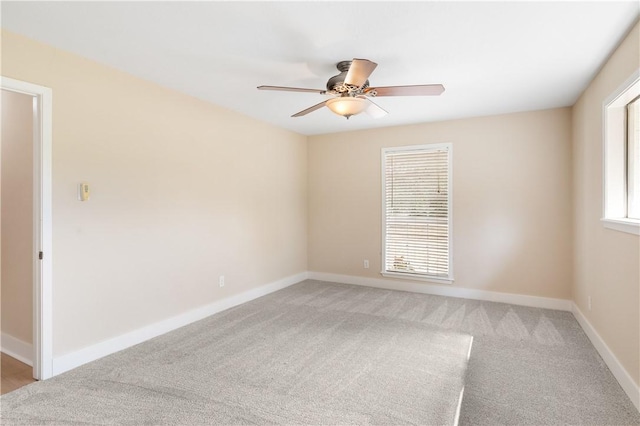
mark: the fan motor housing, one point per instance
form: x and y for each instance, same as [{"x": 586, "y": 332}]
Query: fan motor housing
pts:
[{"x": 336, "y": 83}]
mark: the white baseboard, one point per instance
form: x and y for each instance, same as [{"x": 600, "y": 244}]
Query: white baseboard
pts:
[
  {"x": 619, "y": 372},
  {"x": 75, "y": 359},
  {"x": 16, "y": 348},
  {"x": 447, "y": 290}
]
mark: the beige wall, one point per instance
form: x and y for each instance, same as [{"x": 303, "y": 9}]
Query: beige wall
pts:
[
  {"x": 607, "y": 262},
  {"x": 17, "y": 207},
  {"x": 182, "y": 191},
  {"x": 511, "y": 205}
]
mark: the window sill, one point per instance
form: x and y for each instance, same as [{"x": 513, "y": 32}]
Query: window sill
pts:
[
  {"x": 630, "y": 226},
  {"x": 414, "y": 277}
]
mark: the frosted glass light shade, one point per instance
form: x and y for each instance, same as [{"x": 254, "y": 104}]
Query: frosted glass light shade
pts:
[{"x": 347, "y": 106}]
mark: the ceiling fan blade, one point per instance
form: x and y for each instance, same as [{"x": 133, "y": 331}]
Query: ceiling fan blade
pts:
[
  {"x": 359, "y": 72},
  {"x": 310, "y": 109},
  {"x": 374, "y": 110},
  {"x": 291, "y": 89},
  {"x": 420, "y": 90}
]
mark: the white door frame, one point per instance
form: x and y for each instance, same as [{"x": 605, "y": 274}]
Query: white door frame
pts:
[{"x": 42, "y": 224}]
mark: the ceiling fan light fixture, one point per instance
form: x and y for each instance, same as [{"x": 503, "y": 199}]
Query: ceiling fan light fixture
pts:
[{"x": 347, "y": 106}]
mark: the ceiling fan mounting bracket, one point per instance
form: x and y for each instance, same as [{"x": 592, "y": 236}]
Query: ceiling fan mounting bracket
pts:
[{"x": 343, "y": 66}]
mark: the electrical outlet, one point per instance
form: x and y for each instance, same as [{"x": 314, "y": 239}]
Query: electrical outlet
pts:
[
  {"x": 589, "y": 301},
  {"x": 366, "y": 264},
  {"x": 221, "y": 281}
]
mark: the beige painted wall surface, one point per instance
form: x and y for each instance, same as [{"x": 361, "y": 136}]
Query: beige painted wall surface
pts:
[
  {"x": 182, "y": 191},
  {"x": 607, "y": 262},
  {"x": 17, "y": 208},
  {"x": 511, "y": 205}
]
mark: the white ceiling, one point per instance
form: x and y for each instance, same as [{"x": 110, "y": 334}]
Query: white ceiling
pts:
[{"x": 492, "y": 57}]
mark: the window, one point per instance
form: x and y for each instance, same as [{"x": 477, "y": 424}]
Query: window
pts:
[
  {"x": 633, "y": 159},
  {"x": 416, "y": 212},
  {"x": 621, "y": 207}
]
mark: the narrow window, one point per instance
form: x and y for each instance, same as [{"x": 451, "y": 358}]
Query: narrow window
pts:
[
  {"x": 633, "y": 159},
  {"x": 417, "y": 212},
  {"x": 621, "y": 177}
]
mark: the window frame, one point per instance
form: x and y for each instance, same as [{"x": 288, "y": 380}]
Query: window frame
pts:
[
  {"x": 615, "y": 159},
  {"x": 418, "y": 277}
]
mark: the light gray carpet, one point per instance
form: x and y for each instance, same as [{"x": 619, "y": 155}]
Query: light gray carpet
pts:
[{"x": 325, "y": 353}]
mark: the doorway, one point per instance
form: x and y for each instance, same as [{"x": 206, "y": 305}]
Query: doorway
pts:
[
  {"x": 39, "y": 253},
  {"x": 17, "y": 240}
]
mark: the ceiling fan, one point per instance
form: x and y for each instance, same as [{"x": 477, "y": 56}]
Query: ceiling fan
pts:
[{"x": 352, "y": 91}]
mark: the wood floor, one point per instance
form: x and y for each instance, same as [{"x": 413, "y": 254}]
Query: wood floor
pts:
[{"x": 13, "y": 374}]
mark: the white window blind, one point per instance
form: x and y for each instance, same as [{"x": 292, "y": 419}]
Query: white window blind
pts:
[{"x": 417, "y": 209}]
